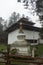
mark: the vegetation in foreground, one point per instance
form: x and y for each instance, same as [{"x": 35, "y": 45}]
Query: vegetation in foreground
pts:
[
  {"x": 38, "y": 51},
  {"x": 3, "y": 47}
]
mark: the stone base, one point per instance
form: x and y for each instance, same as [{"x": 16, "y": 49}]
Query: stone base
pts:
[{"x": 25, "y": 51}]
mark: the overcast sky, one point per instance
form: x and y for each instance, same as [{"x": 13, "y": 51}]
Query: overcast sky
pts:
[{"x": 9, "y": 6}]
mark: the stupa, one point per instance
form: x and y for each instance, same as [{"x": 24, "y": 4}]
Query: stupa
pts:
[{"x": 21, "y": 45}]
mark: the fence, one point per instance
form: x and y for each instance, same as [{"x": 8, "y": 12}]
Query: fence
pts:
[{"x": 10, "y": 59}]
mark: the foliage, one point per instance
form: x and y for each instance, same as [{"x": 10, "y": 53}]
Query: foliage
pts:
[
  {"x": 3, "y": 47},
  {"x": 39, "y": 50},
  {"x": 28, "y": 3},
  {"x": 1, "y": 28},
  {"x": 2, "y": 64},
  {"x": 1, "y": 19},
  {"x": 39, "y": 6},
  {"x": 13, "y": 19}
]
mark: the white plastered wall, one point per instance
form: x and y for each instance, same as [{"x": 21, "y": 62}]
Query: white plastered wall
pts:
[{"x": 12, "y": 36}]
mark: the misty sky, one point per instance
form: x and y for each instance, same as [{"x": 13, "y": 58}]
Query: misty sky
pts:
[{"x": 9, "y": 6}]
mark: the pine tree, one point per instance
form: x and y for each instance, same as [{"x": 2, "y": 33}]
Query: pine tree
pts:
[{"x": 39, "y": 5}]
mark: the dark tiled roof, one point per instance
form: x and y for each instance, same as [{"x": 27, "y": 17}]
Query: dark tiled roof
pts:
[
  {"x": 26, "y": 25},
  {"x": 25, "y": 20}
]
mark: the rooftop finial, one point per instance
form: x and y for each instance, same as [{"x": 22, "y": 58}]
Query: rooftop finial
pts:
[{"x": 20, "y": 30}]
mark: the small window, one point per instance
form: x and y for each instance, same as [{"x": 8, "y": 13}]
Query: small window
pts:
[{"x": 32, "y": 41}]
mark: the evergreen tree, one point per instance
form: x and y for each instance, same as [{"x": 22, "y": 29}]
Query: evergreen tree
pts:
[
  {"x": 14, "y": 17},
  {"x": 39, "y": 5}
]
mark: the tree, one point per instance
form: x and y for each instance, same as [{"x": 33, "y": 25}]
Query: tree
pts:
[
  {"x": 39, "y": 6},
  {"x": 14, "y": 17},
  {"x": 1, "y": 26},
  {"x": 3, "y": 35},
  {"x": 1, "y": 19},
  {"x": 30, "y": 5}
]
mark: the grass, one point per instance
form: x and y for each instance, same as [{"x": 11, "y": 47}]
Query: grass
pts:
[
  {"x": 3, "y": 47},
  {"x": 2, "y": 64},
  {"x": 16, "y": 63},
  {"x": 20, "y": 63},
  {"x": 39, "y": 49}
]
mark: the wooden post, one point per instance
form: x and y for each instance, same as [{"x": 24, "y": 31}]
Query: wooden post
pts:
[
  {"x": 8, "y": 58},
  {"x": 33, "y": 52}
]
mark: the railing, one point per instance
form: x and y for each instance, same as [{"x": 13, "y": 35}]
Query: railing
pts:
[{"x": 10, "y": 59}]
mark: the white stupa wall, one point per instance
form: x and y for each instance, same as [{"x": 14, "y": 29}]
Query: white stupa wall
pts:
[{"x": 12, "y": 36}]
